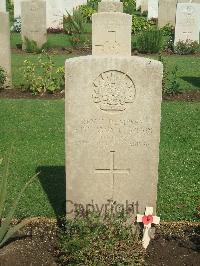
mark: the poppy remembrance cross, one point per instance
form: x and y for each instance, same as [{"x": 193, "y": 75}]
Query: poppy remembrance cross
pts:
[{"x": 147, "y": 219}]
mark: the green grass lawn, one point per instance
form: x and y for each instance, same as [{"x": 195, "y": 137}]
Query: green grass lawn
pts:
[{"x": 36, "y": 130}]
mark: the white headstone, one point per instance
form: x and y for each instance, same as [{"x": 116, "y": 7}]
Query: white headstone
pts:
[
  {"x": 111, "y": 34},
  {"x": 167, "y": 12},
  {"x": 187, "y": 22},
  {"x": 55, "y": 11},
  {"x": 5, "y": 53},
  {"x": 113, "y": 112},
  {"x": 2, "y": 5},
  {"x": 152, "y": 9},
  {"x": 34, "y": 21}
]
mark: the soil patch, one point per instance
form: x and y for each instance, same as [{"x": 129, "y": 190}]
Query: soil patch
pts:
[
  {"x": 19, "y": 94},
  {"x": 176, "y": 244},
  {"x": 59, "y": 51},
  {"x": 191, "y": 96},
  {"x": 35, "y": 246}
]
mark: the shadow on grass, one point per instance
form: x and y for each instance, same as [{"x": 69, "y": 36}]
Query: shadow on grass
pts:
[
  {"x": 52, "y": 179},
  {"x": 195, "y": 81}
]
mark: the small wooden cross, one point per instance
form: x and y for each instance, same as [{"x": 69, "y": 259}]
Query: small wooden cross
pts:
[{"x": 147, "y": 219}]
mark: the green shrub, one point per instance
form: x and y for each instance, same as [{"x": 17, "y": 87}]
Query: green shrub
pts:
[
  {"x": 42, "y": 76},
  {"x": 75, "y": 23},
  {"x": 187, "y": 47},
  {"x": 129, "y": 6},
  {"x": 168, "y": 32},
  {"x": 93, "y": 4},
  {"x": 2, "y": 78},
  {"x": 171, "y": 84},
  {"x": 140, "y": 24},
  {"x": 79, "y": 41},
  {"x": 32, "y": 47},
  {"x": 149, "y": 41},
  {"x": 10, "y": 9},
  {"x": 87, "y": 12},
  {"x": 93, "y": 241}
]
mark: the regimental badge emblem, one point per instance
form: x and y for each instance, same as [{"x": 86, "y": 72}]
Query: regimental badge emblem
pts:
[{"x": 113, "y": 91}]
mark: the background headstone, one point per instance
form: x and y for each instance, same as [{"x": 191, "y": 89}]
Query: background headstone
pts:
[
  {"x": 152, "y": 9},
  {"x": 167, "y": 12},
  {"x": 111, "y": 34},
  {"x": 3, "y": 6},
  {"x": 110, "y": 6},
  {"x": 187, "y": 22},
  {"x": 55, "y": 11},
  {"x": 113, "y": 111},
  {"x": 34, "y": 21},
  {"x": 5, "y": 53}
]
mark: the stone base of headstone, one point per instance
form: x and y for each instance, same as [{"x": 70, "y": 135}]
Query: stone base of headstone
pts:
[{"x": 5, "y": 53}]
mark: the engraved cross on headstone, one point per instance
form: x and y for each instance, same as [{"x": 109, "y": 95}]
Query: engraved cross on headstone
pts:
[{"x": 112, "y": 170}]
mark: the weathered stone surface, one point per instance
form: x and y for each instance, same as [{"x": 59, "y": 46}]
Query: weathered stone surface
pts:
[
  {"x": 187, "y": 22},
  {"x": 110, "y": 6},
  {"x": 5, "y": 53},
  {"x": 113, "y": 110},
  {"x": 152, "y": 9},
  {"x": 34, "y": 21},
  {"x": 3, "y": 6},
  {"x": 167, "y": 12},
  {"x": 144, "y": 6},
  {"x": 111, "y": 34}
]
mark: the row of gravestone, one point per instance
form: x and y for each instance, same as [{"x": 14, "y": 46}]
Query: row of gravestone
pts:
[
  {"x": 184, "y": 15},
  {"x": 55, "y": 9}
]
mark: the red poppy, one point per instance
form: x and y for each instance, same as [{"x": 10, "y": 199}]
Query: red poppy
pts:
[{"x": 147, "y": 219}]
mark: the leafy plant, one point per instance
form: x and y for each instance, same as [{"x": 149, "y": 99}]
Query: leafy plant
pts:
[
  {"x": 79, "y": 40},
  {"x": 93, "y": 240},
  {"x": 2, "y": 77},
  {"x": 129, "y": 6},
  {"x": 10, "y": 9},
  {"x": 75, "y": 23},
  {"x": 32, "y": 47},
  {"x": 6, "y": 229},
  {"x": 149, "y": 41},
  {"x": 187, "y": 47},
  {"x": 87, "y": 12},
  {"x": 42, "y": 76},
  {"x": 171, "y": 85},
  {"x": 140, "y": 24},
  {"x": 93, "y": 4}
]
